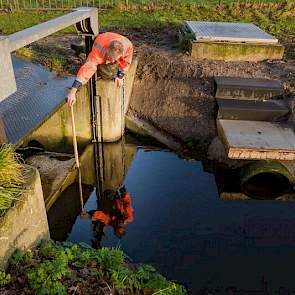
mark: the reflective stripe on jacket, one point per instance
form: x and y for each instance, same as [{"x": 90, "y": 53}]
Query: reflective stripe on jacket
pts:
[{"x": 99, "y": 55}]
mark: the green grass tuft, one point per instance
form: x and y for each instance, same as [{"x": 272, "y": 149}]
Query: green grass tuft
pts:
[{"x": 11, "y": 177}]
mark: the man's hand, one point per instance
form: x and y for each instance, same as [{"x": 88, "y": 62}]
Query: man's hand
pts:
[
  {"x": 84, "y": 215},
  {"x": 119, "y": 82},
  {"x": 71, "y": 97}
]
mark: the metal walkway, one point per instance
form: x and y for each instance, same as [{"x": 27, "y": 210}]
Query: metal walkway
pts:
[{"x": 39, "y": 92}]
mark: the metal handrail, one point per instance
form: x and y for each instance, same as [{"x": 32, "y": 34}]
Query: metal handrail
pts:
[{"x": 86, "y": 17}]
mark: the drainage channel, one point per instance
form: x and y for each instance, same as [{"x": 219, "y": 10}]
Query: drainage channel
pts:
[{"x": 180, "y": 223}]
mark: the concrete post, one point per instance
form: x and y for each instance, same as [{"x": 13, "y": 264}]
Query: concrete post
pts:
[
  {"x": 109, "y": 106},
  {"x": 7, "y": 79}
]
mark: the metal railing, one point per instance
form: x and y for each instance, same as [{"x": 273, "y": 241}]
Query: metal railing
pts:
[{"x": 85, "y": 19}]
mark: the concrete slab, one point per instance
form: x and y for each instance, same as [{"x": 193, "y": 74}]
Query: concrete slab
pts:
[
  {"x": 229, "y": 51},
  {"x": 251, "y": 110},
  {"x": 247, "y": 88},
  {"x": 229, "y": 32},
  {"x": 256, "y": 140}
]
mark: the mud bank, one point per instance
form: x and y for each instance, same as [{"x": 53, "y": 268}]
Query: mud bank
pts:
[{"x": 176, "y": 94}]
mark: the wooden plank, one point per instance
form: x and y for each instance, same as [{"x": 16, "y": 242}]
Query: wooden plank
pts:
[{"x": 256, "y": 140}]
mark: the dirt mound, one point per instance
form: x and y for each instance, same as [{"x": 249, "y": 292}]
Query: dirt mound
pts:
[{"x": 176, "y": 93}]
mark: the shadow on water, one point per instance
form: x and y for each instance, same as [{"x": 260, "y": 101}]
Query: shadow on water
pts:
[{"x": 172, "y": 214}]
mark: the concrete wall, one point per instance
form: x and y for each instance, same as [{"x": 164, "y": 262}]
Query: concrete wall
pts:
[
  {"x": 235, "y": 51},
  {"x": 55, "y": 134},
  {"x": 25, "y": 224},
  {"x": 109, "y": 103}
]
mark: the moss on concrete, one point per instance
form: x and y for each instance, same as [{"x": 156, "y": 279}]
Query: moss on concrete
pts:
[{"x": 235, "y": 51}]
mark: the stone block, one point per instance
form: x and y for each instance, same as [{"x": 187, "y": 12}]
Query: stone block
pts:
[{"x": 247, "y": 88}]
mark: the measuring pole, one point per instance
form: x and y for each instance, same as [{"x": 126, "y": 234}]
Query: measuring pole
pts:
[{"x": 77, "y": 158}]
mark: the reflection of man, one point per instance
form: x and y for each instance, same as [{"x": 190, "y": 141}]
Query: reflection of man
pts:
[
  {"x": 115, "y": 210},
  {"x": 111, "y": 55}
]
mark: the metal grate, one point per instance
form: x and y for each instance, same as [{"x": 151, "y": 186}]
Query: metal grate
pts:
[
  {"x": 39, "y": 92},
  {"x": 229, "y": 32}
]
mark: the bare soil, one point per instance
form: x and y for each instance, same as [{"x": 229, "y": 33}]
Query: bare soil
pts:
[{"x": 174, "y": 92}]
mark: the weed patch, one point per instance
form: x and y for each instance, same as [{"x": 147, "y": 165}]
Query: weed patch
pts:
[
  {"x": 11, "y": 177},
  {"x": 65, "y": 268}
]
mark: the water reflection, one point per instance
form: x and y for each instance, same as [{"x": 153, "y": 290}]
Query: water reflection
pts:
[
  {"x": 64, "y": 212},
  {"x": 115, "y": 210},
  {"x": 181, "y": 223},
  {"x": 103, "y": 171}
]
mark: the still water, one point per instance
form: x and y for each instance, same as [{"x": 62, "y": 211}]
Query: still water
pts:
[{"x": 181, "y": 225}]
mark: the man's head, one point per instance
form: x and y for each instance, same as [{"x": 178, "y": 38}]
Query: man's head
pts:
[
  {"x": 115, "y": 50},
  {"x": 120, "y": 230}
]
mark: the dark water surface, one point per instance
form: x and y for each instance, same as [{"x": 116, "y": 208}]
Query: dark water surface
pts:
[{"x": 186, "y": 231}]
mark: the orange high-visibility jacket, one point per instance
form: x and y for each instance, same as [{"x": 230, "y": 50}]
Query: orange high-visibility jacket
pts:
[
  {"x": 99, "y": 55},
  {"x": 123, "y": 205}
]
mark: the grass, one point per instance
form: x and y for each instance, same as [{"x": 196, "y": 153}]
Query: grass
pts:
[
  {"x": 66, "y": 268},
  {"x": 11, "y": 177},
  {"x": 276, "y": 17}
]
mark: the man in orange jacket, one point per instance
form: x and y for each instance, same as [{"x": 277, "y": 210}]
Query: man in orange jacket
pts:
[
  {"x": 115, "y": 210},
  {"x": 111, "y": 56}
]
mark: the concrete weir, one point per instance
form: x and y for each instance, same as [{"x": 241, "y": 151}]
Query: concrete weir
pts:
[{"x": 55, "y": 134}]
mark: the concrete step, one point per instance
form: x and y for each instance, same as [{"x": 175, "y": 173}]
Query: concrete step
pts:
[
  {"x": 247, "y": 88},
  {"x": 256, "y": 140},
  {"x": 251, "y": 110}
]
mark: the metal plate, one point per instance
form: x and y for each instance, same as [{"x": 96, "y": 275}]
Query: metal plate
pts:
[
  {"x": 229, "y": 32},
  {"x": 39, "y": 92}
]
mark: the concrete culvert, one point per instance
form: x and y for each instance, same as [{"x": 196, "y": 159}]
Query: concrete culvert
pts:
[{"x": 265, "y": 180}]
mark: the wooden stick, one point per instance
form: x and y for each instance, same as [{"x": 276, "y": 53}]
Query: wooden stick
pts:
[
  {"x": 74, "y": 138},
  {"x": 77, "y": 157}
]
